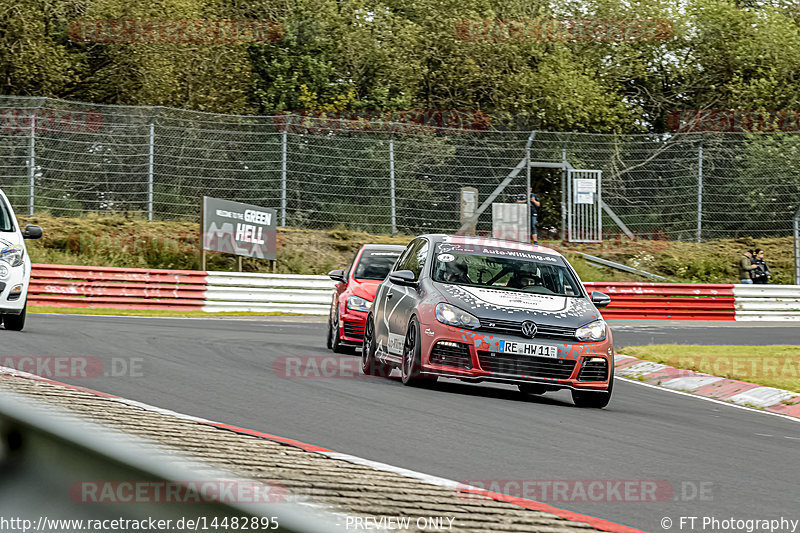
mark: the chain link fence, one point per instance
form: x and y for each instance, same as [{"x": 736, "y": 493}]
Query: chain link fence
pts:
[{"x": 69, "y": 158}]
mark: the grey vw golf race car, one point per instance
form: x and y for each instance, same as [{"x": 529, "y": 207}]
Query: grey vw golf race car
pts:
[{"x": 489, "y": 310}]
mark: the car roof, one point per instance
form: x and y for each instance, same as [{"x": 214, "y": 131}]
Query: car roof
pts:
[
  {"x": 495, "y": 243},
  {"x": 385, "y": 247}
]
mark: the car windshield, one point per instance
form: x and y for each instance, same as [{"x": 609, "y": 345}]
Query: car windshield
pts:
[
  {"x": 375, "y": 264},
  {"x": 6, "y": 224},
  {"x": 504, "y": 269}
]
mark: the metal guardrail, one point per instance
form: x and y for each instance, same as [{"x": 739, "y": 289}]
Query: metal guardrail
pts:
[
  {"x": 619, "y": 266},
  {"x": 45, "y": 452},
  {"x": 64, "y": 285},
  {"x": 669, "y": 301},
  {"x": 118, "y": 288}
]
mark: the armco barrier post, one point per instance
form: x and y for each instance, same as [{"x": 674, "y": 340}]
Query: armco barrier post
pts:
[
  {"x": 31, "y": 163},
  {"x": 796, "y": 232}
]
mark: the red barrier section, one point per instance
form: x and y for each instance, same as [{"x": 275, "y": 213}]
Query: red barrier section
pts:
[
  {"x": 117, "y": 288},
  {"x": 140, "y": 288},
  {"x": 668, "y": 301}
]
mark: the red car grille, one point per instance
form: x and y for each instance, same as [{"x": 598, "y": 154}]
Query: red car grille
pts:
[
  {"x": 594, "y": 371},
  {"x": 354, "y": 330},
  {"x": 525, "y": 365},
  {"x": 451, "y": 354}
]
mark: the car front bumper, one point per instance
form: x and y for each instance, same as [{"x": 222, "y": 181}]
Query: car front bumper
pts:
[
  {"x": 464, "y": 354},
  {"x": 351, "y": 325}
]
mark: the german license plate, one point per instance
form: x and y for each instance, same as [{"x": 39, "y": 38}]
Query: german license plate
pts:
[{"x": 524, "y": 348}]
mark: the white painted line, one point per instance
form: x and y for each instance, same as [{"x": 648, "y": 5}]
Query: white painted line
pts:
[{"x": 713, "y": 400}]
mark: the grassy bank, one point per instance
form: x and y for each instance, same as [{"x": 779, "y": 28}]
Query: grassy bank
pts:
[
  {"x": 773, "y": 366},
  {"x": 131, "y": 242}
]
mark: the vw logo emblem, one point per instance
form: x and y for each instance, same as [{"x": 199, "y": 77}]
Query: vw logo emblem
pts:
[{"x": 528, "y": 329}]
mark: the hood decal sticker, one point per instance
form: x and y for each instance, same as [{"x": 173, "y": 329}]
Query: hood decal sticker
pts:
[{"x": 513, "y": 302}]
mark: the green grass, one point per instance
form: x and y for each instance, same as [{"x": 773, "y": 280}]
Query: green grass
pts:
[
  {"x": 142, "y": 312},
  {"x": 773, "y": 366},
  {"x": 130, "y": 241}
]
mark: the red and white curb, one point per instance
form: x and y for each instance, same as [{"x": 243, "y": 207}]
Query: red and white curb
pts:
[
  {"x": 741, "y": 393},
  {"x": 596, "y": 523}
]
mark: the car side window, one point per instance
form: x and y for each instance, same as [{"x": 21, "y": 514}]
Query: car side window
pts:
[
  {"x": 415, "y": 257},
  {"x": 405, "y": 261},
  {"x": 402, "y": 259}
]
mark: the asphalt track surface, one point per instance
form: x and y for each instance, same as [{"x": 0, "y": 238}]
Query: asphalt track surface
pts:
[{"x": 748, "y": 463}]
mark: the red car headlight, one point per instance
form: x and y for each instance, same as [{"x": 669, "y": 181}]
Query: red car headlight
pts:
[{"x": 357, "y": 303}]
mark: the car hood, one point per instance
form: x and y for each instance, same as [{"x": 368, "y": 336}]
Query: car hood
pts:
[
  {"x": 365, "y": 288},
  {"x": 11, "y": 238},
  {"x": 518, "y": 306}
]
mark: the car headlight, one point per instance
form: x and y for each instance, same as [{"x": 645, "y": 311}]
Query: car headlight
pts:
[
  {"x": 357, "y": 303},
  {"x": 593, "y": 331},
  {"x": 12, "y": 255},
  {"x": 453, "y": 316}
]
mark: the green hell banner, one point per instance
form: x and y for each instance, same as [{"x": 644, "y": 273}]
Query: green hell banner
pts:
[{"x": 240, "y": 229}]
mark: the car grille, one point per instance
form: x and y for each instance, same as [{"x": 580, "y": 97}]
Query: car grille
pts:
[
  {"x": 451, "y": 354},
  {"x": 525, "y": 365},
  {"x": 354, "y": 330},
  {"x": 594, "y": 371},
  {"x": 515, "y": 328}
]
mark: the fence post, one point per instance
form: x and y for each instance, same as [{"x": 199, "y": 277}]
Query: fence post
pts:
[
  {"x": 563, "y": 195},
  {"x": 700, "y": 191},
  {"x": 796, "y": 234},
  {"x": 31, "y": 163},
  {"x": 527, "y": 191},
  {"x": 284, "y": 141},
  {"x": 391, "y": 186},
  {"x": 150, "y": 174}
]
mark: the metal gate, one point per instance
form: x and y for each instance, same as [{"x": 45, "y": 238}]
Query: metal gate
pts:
[{"x": 584, "y": 214}]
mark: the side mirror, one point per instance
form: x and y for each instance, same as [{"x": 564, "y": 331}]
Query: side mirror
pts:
[
  {"x": 32, "y": 232},
  {"x": 336, "y": 275},
  {"x": 600, "y": 299},
  {"x": 403, "y": 277}
]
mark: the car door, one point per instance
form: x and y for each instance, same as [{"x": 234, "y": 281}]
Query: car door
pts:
[
  {"x": 382, "y": 307},
  {"x": 403, "y": 299}
]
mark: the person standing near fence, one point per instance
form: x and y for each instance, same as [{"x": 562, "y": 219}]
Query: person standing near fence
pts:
[
  {"x": 746, "y": 267},
  {"x": 761, "y": 273},
  {"x": 534, "y": 212}
]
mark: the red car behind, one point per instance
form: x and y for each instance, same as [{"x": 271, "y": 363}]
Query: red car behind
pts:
[{"x": 355, "y": 291}]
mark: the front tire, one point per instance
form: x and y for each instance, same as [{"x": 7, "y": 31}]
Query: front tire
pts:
[
  {"x": 336, "y": 343},
  {"x": 593, "y": 399},
  {"x": 411, "y": 366},
  {"x": 370, "y": 366},
  {"x": 16, "y": 322}
]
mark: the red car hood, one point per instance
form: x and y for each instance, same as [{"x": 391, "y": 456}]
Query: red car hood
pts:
[{"x": 365, "y": 288}]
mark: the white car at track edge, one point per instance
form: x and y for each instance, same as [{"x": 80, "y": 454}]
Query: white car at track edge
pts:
[{"x": 15, "y": 266}]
